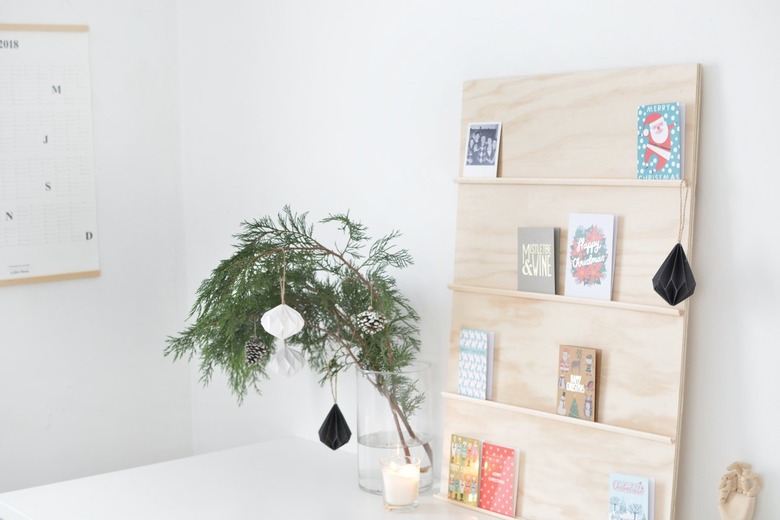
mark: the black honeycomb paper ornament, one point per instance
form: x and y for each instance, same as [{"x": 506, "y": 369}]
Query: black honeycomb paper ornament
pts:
[
  {"x": 334, "y": 432},
  {"x": 674, "y": 281}
]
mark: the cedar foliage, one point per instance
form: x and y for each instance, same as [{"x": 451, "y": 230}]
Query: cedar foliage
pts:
[{"x": 327, "y": 285}]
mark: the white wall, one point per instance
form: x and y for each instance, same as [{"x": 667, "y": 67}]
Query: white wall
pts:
[
  {"x": 355, "y": 105},
  {"x": 307, "y": 105},
  {"x": 84, "y": 387}
]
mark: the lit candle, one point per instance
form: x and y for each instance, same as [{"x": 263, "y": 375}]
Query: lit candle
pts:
[{"x": 401, "y": 479}]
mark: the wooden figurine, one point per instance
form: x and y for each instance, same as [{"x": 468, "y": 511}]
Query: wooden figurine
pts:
[{"x": 737, "y": 492}]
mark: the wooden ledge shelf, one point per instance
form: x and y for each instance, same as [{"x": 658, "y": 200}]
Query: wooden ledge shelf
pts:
[
  {"x": 551, "y": 165},
  {"x": 668, "y": 311},
  {"x": 616, "y": 183},
  {"x": 440, "y": 496},
  {"x": 560, "y": 418}
]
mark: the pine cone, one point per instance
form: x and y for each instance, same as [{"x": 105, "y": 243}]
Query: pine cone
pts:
[
  {"x": 370, "y": 322},
  {"x": 255, "y": 351}
]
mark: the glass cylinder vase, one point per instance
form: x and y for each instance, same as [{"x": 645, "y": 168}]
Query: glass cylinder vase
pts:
[{"x": 392, "y": 420}]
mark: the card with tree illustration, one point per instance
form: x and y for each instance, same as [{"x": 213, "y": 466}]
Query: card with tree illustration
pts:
[
  {"x": 630, "y": 497},
  {"x": 577, "y": 382},
  {"x": 590, "y": 256}
]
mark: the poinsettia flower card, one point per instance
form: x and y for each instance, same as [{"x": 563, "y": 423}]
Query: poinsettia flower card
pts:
[{"x": 590, "y": 256}]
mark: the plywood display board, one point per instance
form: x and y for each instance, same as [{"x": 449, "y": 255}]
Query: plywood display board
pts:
[
  {"x": 569, "y": 145},
  {"x": 48, "y": 214}
]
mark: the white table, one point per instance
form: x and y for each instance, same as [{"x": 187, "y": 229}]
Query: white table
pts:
[{"x": 287, "y": 479}]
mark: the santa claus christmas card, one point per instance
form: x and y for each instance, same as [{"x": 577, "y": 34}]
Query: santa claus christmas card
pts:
[{"x": 660, "y": 141}]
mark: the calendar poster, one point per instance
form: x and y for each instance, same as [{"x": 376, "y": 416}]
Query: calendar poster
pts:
[{"x": 48, "y": 210}]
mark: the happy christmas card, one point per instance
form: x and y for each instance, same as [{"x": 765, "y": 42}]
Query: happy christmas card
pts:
[{"x": 590, "y": 256}]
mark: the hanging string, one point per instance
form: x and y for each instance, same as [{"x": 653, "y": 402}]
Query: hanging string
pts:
[
  {"x": 282, "y": 283},
  {"x": 683, "y": 205},
  {"x": 284, "y": 272},
  {"x": 334, "y": 387}
]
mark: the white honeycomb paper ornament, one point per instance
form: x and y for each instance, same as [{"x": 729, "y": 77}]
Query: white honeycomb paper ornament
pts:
[
  {"x": 285, "y": 361},
  {"x": 282, "y": 321}
]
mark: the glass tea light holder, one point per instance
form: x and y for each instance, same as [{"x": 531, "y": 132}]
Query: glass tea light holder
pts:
[{"x": 401, "y": 482}]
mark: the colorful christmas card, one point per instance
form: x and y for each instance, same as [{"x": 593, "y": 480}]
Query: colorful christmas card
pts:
[
  {"x": 577, "y": 382},
  {"x": 660, "y": 141},
  {"x": 630, "y": 497},
  {"x": 590, "y": 256},
  {"x": 537, "y": 252},
  {"x": 498, "y": 479},
  {"x": 475, "y": 363},
  {"x": 463, "y": 483}
]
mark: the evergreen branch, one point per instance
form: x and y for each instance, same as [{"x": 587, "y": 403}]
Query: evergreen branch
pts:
[
  {"x": 328, "y": 285},
  {"x": 324, "y": 283}
]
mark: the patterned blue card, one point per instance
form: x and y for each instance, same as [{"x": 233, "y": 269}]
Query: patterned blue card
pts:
[
  {"x": 660, "y": 141},
  {"x": 475, "y": 364}
]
